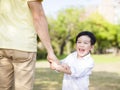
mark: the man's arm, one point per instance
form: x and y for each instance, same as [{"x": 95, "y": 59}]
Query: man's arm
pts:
[{"x": 41, "y": 26}]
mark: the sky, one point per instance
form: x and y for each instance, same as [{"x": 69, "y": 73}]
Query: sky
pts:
[{"x": 52, "y": 7}]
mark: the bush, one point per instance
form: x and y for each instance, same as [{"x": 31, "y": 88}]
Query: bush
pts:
[{"x": 41, "y": 54}]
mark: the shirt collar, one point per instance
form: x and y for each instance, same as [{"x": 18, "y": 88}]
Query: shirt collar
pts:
[{"x": 85, "y": 57}]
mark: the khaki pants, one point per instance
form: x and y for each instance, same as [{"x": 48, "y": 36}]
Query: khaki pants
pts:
[{"x": 16, "y": 69}]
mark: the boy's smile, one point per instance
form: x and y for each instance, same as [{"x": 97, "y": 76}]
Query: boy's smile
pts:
[{"x": 81, "y": 50}]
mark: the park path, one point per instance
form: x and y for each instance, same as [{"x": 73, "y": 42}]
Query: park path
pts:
[{"x": 107, "y": 67}]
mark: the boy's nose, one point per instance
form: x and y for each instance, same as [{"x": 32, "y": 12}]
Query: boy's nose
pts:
[{"x": 81, "y": 44}]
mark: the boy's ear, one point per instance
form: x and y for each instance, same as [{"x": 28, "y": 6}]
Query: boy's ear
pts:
[
  {"x": 75, "y": 46},
  {"x": 92, "y": 47}
]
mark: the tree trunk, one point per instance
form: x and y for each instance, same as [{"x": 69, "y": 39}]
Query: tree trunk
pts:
[{"x": 64, "y": 43}]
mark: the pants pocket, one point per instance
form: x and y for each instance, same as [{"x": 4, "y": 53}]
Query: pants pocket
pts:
[{"x": 20, "y": 56}]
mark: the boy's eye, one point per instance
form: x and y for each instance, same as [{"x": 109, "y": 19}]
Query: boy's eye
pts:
[
  {"x": 83, "y": 42},
  {"x": 78, "y": 42},
  {"x": 86, "y": 42}
]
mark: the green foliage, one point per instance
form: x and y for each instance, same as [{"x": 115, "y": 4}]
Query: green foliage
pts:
[
  {"x": 106, "y": 33},
  {"x": 41, "y": 54},
  {"x": 64, "y": 28},
  {"x": 71, "y": 21}
]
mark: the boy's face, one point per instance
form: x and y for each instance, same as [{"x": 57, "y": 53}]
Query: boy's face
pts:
[{"x": 83, "y": 46}]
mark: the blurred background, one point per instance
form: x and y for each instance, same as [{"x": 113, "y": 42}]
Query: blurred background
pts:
[{"x": 66, "y": 18}]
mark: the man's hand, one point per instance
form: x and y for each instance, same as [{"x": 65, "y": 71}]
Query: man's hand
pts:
[
  {"x": 52, "y": 57},
  {"x": 53, "y": 65}
]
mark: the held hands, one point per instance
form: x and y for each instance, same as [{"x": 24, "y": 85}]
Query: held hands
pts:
[
  {"x": 55, "y": 64},
  {"x": 60, "y": 67},
  {"x": 51, "y": 57}
]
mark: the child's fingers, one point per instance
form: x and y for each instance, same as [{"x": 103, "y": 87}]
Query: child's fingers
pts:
[{"x": 65, "y": 66}]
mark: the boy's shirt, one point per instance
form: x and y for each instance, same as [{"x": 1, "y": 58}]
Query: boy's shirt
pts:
[{"x": 80, "y": 71}]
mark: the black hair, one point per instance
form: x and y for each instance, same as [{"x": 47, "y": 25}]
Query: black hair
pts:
[{"x": 89, "y": 34}]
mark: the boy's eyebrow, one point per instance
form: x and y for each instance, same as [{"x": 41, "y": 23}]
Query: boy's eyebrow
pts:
[{"x": 84, "y": 40}]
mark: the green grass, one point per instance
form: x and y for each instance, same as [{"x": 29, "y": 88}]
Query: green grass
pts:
[
  {"x": 105, "y": 81},
  {"x": 106, "y": 58},
  {"x": 47, "y": 79}
]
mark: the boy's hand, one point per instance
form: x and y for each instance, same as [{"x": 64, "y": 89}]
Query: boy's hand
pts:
[
  {"x": 65, "y": 66},
  {"x": 53, "y": 65}
]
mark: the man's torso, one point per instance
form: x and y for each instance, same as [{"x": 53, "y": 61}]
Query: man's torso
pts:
[{"x": 16, "y": 26}]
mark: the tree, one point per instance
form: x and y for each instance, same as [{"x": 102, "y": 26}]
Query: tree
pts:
[
  {"x": 71, "y": 21},
  {"x": 64, "y": 28}
]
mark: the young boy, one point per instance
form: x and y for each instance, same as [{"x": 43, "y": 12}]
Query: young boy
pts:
[{"x": 78, "y": 65}]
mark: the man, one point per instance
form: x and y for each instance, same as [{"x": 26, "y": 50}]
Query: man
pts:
[{"x": 20, "y": 21}]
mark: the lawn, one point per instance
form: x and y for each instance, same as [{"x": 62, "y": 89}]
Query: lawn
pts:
[
  {"x": 47, "y": 79},
  {"x": 110, "y": 58}
]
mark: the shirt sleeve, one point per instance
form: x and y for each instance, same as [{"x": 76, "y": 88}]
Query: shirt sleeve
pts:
[{"x": 80, "y": 70}]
